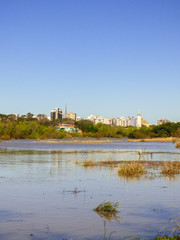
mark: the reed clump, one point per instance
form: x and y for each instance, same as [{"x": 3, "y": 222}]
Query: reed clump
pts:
[
  {"x": 133, "y": 168},
  {"x": 170, "y": 168},
  {"x": 108, "y": 211},
  {"x": 89, "y": 163},
  {"x": 177, "y": 145}
]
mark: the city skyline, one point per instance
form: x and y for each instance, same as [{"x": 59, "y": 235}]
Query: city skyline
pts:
[
  {"x": 121, "y": 120},
  {"x": 108, "y": 58}
]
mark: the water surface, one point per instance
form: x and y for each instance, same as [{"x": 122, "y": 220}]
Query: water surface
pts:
[{"x": 37, "y": 199}]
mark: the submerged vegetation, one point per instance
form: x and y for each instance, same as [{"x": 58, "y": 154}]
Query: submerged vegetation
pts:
[
  {"x": 40, "y": 127},
  {"x": 108, "y": 210}
]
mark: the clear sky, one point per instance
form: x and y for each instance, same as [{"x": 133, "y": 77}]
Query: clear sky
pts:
[{"x": 105, "y": 57}]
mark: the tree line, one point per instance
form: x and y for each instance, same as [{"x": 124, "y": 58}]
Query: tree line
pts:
[
  {"x": 101, "y": 130},
  {"x": 40, "y": 127}
]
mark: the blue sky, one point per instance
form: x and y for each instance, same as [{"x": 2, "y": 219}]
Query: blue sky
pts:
[{"x": 105, "y": 57}]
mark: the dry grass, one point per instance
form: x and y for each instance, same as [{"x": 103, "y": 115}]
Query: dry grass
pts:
[
  {"x": 133, "y": 168},
  {"x": 79, "y": 141},
  {"x": 89, "y": 163},
  {"x": 170, "y": 168},
  {"x": 169, "y": 139},
  {"x": 177, "y": 145},
  {"x": 137, "y": 169}
]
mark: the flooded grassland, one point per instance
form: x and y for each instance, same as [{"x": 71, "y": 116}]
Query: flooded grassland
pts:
[{"x": 47, "y": 192}]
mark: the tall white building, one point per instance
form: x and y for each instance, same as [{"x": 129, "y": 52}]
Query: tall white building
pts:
[{"x": 138, "y": 121}]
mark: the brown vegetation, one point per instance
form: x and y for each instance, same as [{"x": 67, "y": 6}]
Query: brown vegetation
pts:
[
  {"x": 177, "y": 145},
  {"x": 168, "y": 139},
  {"x": 170, "y": 168},
  {"x": 137, "y": 169},
  {"x": 80, "y": 141},
  {"x": 133, "y": 168}
]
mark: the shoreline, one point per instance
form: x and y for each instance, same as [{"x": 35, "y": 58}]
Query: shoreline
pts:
[{"x": 101, "y": 140}]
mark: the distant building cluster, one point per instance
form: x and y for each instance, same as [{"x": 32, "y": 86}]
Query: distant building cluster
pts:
[
  {"x": 162, "y": 121},
  {"x": 121, "y": 121},
  {"x": 57, "y": 114},
  {"x": 70, "y": 115},
  {"x": 137, "y": 121}
]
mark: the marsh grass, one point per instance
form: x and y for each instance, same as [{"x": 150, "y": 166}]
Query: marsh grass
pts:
[
  {"x": 108, "y": 210},
  {"x": 133, "y": 168},
  {"x": 108, "y": 207},
  {"x": 170, "y": 168},
  {"x": 137, "y": 169},
  {"x": 89, "y": 163},
  {"x": 168, "y": 139},
  {"x": 177, "y": 145}
]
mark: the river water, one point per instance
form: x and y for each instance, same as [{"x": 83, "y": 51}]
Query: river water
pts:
[{"x": 46, "y": 195}]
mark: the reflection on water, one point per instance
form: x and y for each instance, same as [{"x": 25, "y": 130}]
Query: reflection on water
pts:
[{"x": 37, "y": 199}]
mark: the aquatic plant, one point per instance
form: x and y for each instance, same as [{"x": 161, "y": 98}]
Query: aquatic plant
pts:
[
  {"x": 89, "y": 163},
  {"x": 177, "y": 145},
  {"x": 170, "y": 168},
  {"x": 108, "y": 207},
  {"x": 133, "y": 168},
  {"x": 108, "y": 211}
]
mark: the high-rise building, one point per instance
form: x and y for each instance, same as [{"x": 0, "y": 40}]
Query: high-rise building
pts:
[
  {"x": 56, "y": 113},
  {"x": 70, "y": 115},
  {"x": 138, "y": 121}
]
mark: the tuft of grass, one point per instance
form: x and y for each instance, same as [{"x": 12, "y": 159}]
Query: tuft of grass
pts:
[
  {"x": 108, "y": 210},
  {"x": 107, "y": 207},
  {"x": 89, "y": 163},
  {"x": 177, "y": 145},
  {"x": 131, "y": 169},
  {"x": 170, "y": 168}
]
